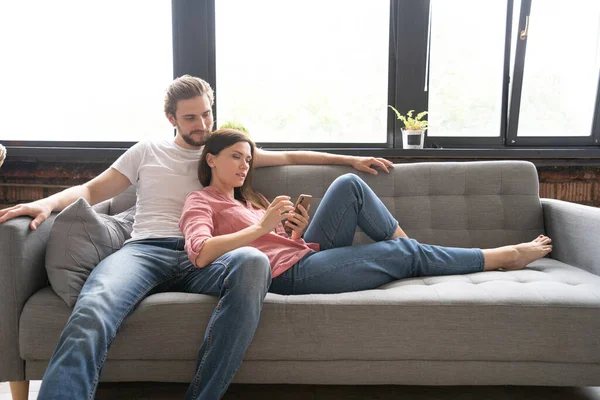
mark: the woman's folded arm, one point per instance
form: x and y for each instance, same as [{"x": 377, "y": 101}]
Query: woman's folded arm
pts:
[{"x": 197, "y": 225}]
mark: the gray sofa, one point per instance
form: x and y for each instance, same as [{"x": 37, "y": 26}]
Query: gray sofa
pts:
[{"x": 537, "y": 326}]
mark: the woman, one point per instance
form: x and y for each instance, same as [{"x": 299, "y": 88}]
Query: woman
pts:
[{"x": 227, "y": 214}]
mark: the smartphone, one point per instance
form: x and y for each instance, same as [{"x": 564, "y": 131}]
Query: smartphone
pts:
[{"x": 303, "y": 199}]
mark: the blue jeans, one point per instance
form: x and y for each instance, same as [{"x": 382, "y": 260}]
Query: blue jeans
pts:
[
  {"x": 120, "y": 282},
  {"x": 341, "y": 267}
]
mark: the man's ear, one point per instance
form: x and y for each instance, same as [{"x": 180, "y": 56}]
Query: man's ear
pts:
[{"x": 171, "y": 119}]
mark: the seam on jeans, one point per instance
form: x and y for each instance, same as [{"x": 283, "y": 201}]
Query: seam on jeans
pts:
[
  {"x": 391, "y": 234},
  {"x": 372, "y": 225},
  {"x": 209, "y": 338},
  {"x": 450, "y": 267},
  {"x": 337, "y": 225},
  {"x": 367, "y": 217},
  {"x": 438, "y": 265},
  {"x": 481, "y": 259},
  {"x": 335, "y": 266},
  {"x": 183, "y": 254},
  {"x": 110, "y": 340},
  {"x": 228, "y": 381}
]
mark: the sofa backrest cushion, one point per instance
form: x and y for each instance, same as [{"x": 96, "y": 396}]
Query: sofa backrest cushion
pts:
[
  {"x": 464, "y": 204},
  {"x": 79, "y": 240}
]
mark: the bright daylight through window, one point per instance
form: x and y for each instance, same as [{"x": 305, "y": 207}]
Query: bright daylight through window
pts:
[
  {"x": 466, "y": 67},
  {"x": 310, "y": 71},
  {"x": 562, "y": 62},
  {"x": 85, "y": 71}
]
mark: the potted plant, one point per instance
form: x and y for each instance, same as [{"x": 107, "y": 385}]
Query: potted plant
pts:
[
  {"x": 235, "y": 125},
  {"x": 413, "y": 133}
]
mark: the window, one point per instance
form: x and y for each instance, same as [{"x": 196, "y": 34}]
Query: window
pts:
[
  {"x": 311, "y": 71},
  {"x": 310, "y": 74},
  {"x": 556, "y": 74},
  {"x": 85, "y": 71},
  {"x": 562, "y": 61},
  {"x": 466, "y": 67}
]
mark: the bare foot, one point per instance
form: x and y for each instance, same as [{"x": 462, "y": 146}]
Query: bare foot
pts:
[
  {"x": 529, "y": 252},
  {"x": 516, "y": 256}
]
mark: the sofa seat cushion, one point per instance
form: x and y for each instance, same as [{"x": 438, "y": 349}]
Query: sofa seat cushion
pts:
[{"x": 549, "y": 312}]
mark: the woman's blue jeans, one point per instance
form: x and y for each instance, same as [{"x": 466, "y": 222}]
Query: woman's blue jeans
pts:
[
  {"x": 341, "y": 267},
  {"x": 120, "y": 282}
]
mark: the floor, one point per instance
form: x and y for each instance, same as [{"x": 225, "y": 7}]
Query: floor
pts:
[{"x": 164, "y": 391}]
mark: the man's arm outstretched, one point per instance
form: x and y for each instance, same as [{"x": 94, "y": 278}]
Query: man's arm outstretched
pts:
[{"x": 263, "y": 158}]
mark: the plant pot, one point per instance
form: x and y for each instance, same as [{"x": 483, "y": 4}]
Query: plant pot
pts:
[{"x": 413, "y": 139}]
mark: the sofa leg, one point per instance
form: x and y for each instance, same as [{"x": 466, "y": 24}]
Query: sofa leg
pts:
[{"x": 19, "y": 390}]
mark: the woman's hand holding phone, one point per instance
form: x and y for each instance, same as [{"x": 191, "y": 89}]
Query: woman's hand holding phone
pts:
[
  {"x": 274, "y": 213},
  {"x": 298, "y": 221}
]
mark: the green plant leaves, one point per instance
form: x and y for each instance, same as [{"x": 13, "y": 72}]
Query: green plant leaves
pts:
[{"x": 411, "y": 123}]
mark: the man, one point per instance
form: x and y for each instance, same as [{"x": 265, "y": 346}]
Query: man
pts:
[{"x": 154, "y": 260}]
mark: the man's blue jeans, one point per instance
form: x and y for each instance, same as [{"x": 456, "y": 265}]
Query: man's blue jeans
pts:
[
  {"x": 120, "y": 282},
  {"x": 341, "y": 267}
]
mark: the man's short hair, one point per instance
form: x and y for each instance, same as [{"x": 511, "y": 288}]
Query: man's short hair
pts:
[{"x": 184, "y": 88}]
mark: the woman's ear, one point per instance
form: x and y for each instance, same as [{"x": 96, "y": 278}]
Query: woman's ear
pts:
[{"x": 210, "y": 160}]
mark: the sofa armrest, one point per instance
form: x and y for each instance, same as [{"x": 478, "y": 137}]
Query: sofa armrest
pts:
[
  {"x": 575, "y": 233},
  {"x": 22, "y": 273}
]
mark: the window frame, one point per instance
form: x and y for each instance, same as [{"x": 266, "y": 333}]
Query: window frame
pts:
[
  {"x": 194, "y": 52},
  {"x": 390, "y": 130},
  {"x": 468, "y": 141},
  {"x": 513, "y": 140}
]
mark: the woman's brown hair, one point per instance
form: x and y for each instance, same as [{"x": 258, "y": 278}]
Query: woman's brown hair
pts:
[{"x": 216, "y": 142}]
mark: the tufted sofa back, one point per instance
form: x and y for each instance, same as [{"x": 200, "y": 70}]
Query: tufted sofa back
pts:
[{"x": 464, "y": 204}]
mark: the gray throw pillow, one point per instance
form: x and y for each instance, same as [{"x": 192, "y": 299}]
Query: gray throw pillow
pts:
[{"x": 80, "y": 238}]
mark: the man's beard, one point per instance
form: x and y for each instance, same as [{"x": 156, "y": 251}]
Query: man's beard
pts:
[{"x": 196, "y": 143}]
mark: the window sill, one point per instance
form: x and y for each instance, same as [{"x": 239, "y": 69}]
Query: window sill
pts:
[{"x": 540, "y": 156}]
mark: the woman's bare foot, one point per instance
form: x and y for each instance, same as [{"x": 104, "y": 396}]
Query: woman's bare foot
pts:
[{"x": 517, "y": 256}]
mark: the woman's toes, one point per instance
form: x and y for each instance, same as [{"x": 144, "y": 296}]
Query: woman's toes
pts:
[
  {"x": 542, "y": 239},
  {"x": 539, "y": 239}
]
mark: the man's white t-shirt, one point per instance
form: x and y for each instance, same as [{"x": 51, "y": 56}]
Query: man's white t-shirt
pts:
[{"x": 165, "y": 174}]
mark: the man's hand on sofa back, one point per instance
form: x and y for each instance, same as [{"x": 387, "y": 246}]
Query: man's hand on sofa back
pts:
[
  {"x": 36, "y": 210},
  {"x": 105, "y": 186}
]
